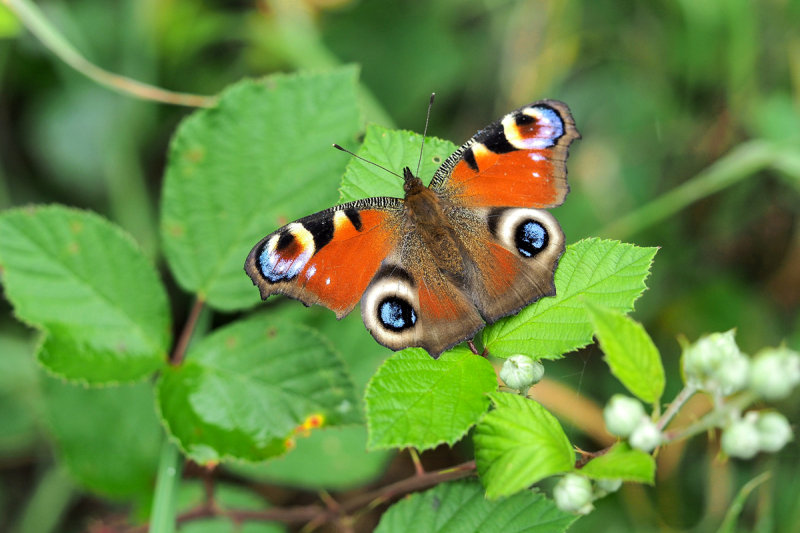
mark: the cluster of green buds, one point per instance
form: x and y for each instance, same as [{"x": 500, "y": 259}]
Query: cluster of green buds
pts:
[
  {"x": 715, "y": 364},
  {"x": 625, "y": 417}
]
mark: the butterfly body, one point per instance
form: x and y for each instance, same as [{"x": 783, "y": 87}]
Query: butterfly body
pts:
[{"x": 432, "y": 268}]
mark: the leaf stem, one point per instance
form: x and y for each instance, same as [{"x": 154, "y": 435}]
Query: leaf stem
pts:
[
  {"x": 418, "y": 468},
  {"x": 33, "y": 19},
  {"x": 186, "y": 335}
]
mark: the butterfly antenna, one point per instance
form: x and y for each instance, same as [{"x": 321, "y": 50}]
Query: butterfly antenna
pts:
[
  {"x": 366, "y": 160},
  {"x": 424, "y": 133}
]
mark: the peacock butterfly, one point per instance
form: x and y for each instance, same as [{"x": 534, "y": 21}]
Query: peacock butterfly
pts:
[{"x": 431, "y": 268}]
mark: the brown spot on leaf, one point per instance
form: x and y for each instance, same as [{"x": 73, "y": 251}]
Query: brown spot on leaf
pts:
[{"x": 195, "y": 155}]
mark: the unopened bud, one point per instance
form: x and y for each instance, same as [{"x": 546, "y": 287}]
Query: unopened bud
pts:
[
  {"x": 573, "y": 494},
  {"x": 622, "y": 414},
  {"x": 520, "y": 372}
]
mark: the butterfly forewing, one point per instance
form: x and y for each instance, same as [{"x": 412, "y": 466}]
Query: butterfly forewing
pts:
[
  {"x": 330, "y": 257},
  {"x": 518, "y": 161}
]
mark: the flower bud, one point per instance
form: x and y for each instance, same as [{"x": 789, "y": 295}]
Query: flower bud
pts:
[
  {"x": 573, "y": 494},
  {"x": 622, "y": 414},
  {"x": 520, "y": 372},
  {"x": 775, "y": 372},
  {"x": 645, "y": 436},
  {"x": 715, "y": 362},
  {"x": 773, "y": 431},
  {"x": 741, "y": 439},
  {"x": 607, "y": 486}
]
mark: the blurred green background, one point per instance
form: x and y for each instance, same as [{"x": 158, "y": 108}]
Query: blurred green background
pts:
[{"x": 690, "y": 115}]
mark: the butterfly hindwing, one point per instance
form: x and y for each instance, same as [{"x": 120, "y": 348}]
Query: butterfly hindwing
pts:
[
  {"x": 518, "y": 161},
  {"x": 327, "y": 258},
  {"x": 411, "y": 303},
  {"x": 515, "y": 254}
]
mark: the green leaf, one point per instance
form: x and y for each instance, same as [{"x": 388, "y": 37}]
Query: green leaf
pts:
[
  {"x": 608, "y": 273},
  {"x": 108, "y": 438},
  {"x": 517, "y": 444},
  {"x": 334, "y": 458},
  {"x": 86, "y": 284},
  {"x": 737, "y": 505},
  {"x": 393, "y": 149},
  {"x": 622, "y": 462},
  {"x": 630, "y": 352},
  {"x": 415, "y": 400},
  {"x": 244, "y": 390},
  {"x": 331, "y": 459},
  {"x": 260, "y": 158},
  {"x": 460, "y": 506}
]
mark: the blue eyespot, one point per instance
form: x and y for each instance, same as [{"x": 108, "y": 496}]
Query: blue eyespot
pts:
[
  {"x": 396, "y": 314},
  {"x": 530, "y": 238}
]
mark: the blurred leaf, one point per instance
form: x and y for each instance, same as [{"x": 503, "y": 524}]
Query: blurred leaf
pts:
[
  {"x": 108, "y": 438},
  {"x": 333, "y": 458},
  {"x": 9, "y": 23},
  {"x": 87, "y": 285},
  {"x": 20, "y": 402},
  {"x": 629, "y": 352},
  {"x": 417, "y": 401},
  {"x": 460, "y": 506},
  {"x": 410, "y": 49},
  {"x": 517, "y": 444},
  {"x": 257, "y": 160},
  {"x": 244, "y": 390},
  {"x": 622, "y": 462},
  {"x": 75, "y": 163},
  {"x": 609, "y": 273},
  {"x": 393, "y": 149}
]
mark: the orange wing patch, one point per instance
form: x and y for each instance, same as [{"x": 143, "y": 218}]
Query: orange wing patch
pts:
[
  {"x": 327, "y": 258},
  {"x": 523, "y": 178},
  {"x": 340, "y": 271}
]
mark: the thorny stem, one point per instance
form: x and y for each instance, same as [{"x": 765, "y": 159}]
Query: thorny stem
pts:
[{"x": 315, "y": 515}]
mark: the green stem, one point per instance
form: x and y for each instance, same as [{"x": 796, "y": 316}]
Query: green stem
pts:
[
  {"x": 33, "y": 19},
  {"x": 165, "y": 508},
  {"x": 43, "y": 511},
  {"x": 713, "y": 419},
  {"x": 741, "y": 162},
  {"x": 682, "y": 397}
]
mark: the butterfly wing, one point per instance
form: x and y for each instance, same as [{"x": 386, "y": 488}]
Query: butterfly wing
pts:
[
  {"x": 410, "y": 302},
  {"x": 327, "y": 258},
  {"x": 518, "y": 161},
  {"x": 515, "y": 253}
]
